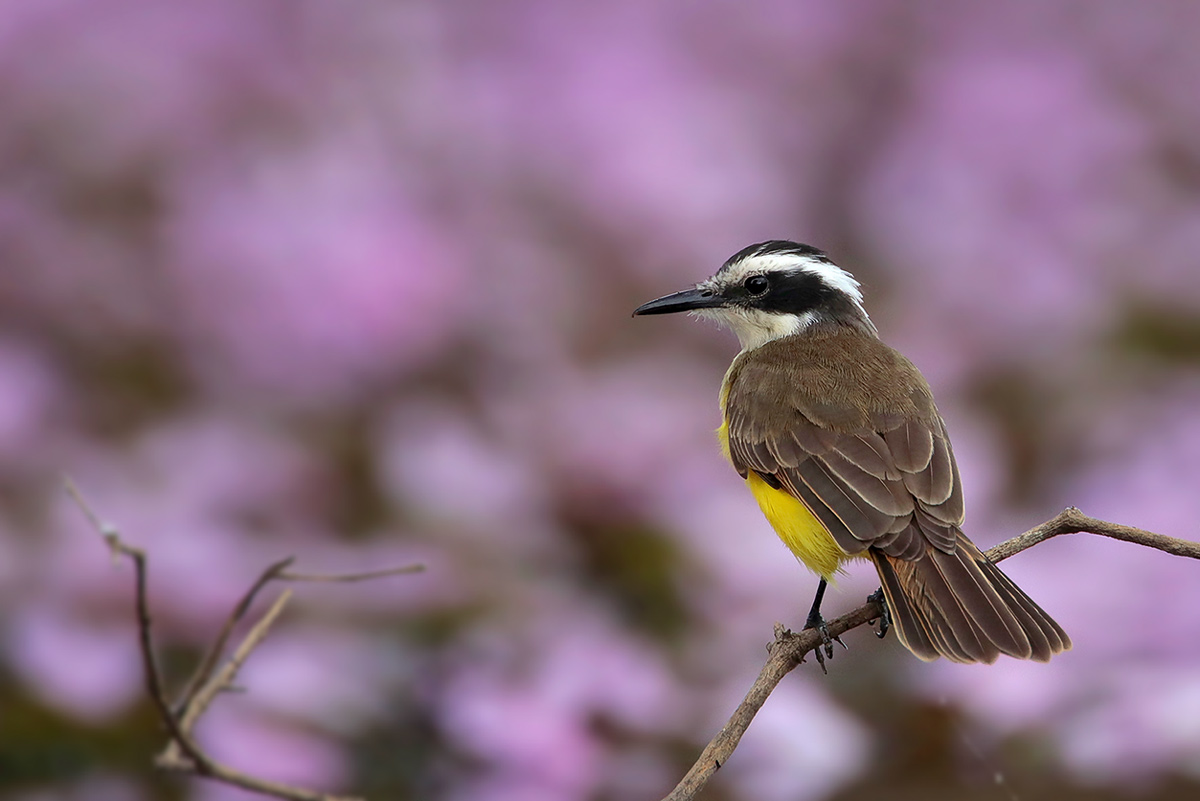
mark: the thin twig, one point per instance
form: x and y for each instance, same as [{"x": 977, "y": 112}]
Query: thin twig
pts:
[
  {"x": 347, "y": 578},
  {"x": 1073, "y": 521},
  {"x": 224, "y": 678},
  {"x": 226, "y": 775},
  {"x": 275, "y": 572},
  {"x": 150, "y": 671},
  {"x": 175, "y": 757},
  {"x": 182, "y": 752},
  {"x": 209, "y": 663},
  {"x": 789, "y": 648}
]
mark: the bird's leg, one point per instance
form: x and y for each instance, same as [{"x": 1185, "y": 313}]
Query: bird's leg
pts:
[
  {"x": 816, "y": 621},
  {"x": 885, "y": 622}
]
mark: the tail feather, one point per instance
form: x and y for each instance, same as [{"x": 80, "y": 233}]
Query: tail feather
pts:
[
  {"x": 922, "y": 629},
  {"x": 1046, "y": 636},
  {"x": 910, "y": 625},
  {"x": 986, "y": 611},
  {"x": 960, "y": 606},
  {"x": 941, "y": 634}
]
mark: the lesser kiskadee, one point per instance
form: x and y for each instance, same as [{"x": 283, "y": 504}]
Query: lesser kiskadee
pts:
[{"x": 840, "y": 442}]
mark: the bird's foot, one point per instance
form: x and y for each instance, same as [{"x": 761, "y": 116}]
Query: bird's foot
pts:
[
  {"x": 885, "y": 622},
  {"x": 816, "y": 621}
]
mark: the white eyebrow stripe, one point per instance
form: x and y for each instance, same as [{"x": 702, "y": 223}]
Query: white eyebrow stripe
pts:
[{"x": 832, "y": 275}]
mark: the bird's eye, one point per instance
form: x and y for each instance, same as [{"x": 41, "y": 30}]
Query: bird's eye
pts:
[{"x": 756, "y": 284}]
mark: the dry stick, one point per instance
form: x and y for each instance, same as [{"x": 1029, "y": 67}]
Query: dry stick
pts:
[
  {"x": 187, "y": 754},
  {"x": 1073, "y": 521},
  {"x": 172, "y": 758},
  {"x": 789, "y": 648},
  {"x": 316, "y": 578},
  {"x": 223, "y": 680},
  {"x": 176, "y": 755},
  {"x": 150, "y": 671},
  {"x": 209, "y": 663},
  {"x": 275, "y": 572},
  {"x": 182, "y": 752}
]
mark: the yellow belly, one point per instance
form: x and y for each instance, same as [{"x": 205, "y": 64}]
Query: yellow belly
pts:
[{"x": 800, "y": 530}]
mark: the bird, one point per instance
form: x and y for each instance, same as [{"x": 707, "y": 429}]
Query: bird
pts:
[{"x": 839, "y": 440}]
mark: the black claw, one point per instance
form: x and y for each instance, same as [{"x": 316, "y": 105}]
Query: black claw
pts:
[
  {"x": 885, "y": 622},
  {"x": 820, "y": 660},
  {"x": 824, "y": 649}
]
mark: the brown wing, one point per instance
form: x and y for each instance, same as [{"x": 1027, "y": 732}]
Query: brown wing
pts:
[
  {"x": 864, "y": 449},
  {"x": 848, "y": 426}
]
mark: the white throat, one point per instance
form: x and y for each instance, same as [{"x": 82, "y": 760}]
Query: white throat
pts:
[{"x": 756, "y": 328}]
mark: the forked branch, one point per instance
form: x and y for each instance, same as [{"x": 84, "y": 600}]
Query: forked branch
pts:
[{"x": 212, "y": 676}]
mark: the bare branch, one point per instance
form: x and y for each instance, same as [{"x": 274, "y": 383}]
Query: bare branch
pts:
[
  {"x": 350, "y": 577},
  {"x": 150, "y": 671},
  {"x": 182, "y": 752},
  {"x": 174, "y": 757},
  {"x": 789, "y": 648},
  {"x": 223, "y": 680},
  {"x": 1073, "y": 521},
  {"x": 208, "y": 664}
]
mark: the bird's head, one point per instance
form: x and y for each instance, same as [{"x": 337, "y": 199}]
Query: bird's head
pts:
[{"x": 771, "y": 290}]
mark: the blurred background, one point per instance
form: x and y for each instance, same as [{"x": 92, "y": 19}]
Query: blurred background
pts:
[{"x": 352, "y": 282}]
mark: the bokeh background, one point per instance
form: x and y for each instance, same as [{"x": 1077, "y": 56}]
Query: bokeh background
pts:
[{"x": 353, "y": 281}]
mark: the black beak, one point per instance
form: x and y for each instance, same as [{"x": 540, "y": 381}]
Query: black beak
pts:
[{"x": 687, "y": 300}]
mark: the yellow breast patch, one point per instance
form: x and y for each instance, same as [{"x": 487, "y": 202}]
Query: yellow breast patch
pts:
[{"x": 800, "y": 530}]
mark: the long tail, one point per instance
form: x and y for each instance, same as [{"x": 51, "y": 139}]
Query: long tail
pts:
[{"x": 960, "y": 606}]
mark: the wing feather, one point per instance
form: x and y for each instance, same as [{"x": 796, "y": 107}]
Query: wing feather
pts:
[
  {"x": 877, "y": 470},
  {"x": 868, "y": 451},
  {"x": 888, "y": 497},
  {"x": 911, "y": 444},
  {"x": 837, "y": 528},
  {"x": 861, "y": 516}
]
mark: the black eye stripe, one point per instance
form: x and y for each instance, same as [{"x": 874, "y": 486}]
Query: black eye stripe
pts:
[{"x": 794, "y": 293}]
